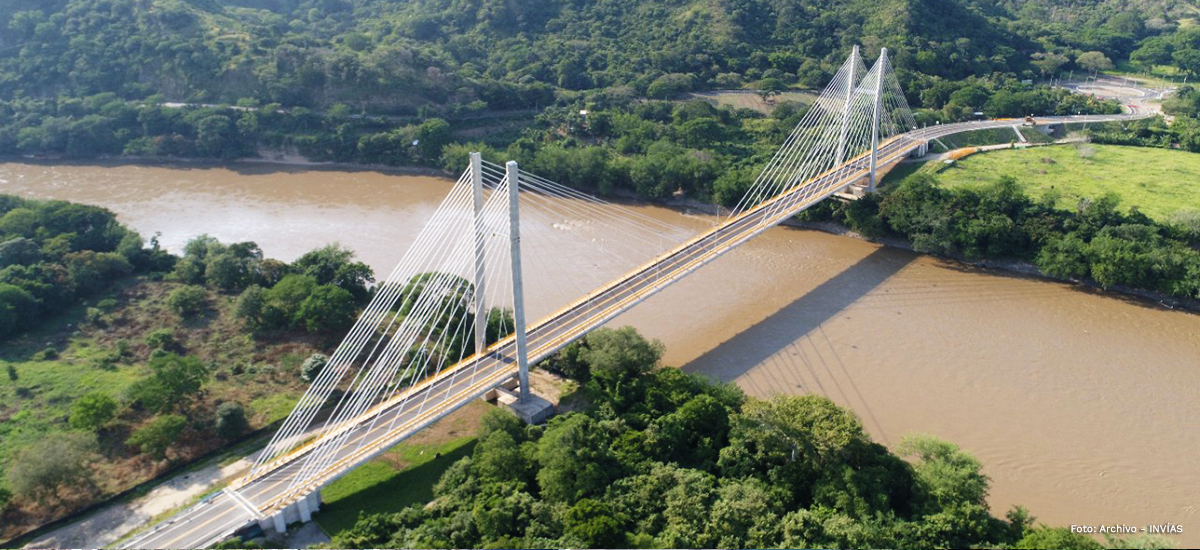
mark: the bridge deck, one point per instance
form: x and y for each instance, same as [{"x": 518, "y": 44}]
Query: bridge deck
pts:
[{"x": 220, "y": 515}]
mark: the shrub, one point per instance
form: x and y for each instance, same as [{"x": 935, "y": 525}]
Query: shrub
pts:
[
  {"x": 156, "y": 436},
  {"x": 187, "y": 301},
  {"x": 92, "y": 411},
  {"x": 312, "y": 366},
  {"x": 231, "y": 420},
  {"x": 162, "y": 338}
]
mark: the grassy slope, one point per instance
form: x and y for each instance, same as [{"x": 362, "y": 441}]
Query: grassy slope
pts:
[
  {"x": 39, "y": 401},
  {"x": 402, "y": 476},
  {"x": 1157, "y": 181}
]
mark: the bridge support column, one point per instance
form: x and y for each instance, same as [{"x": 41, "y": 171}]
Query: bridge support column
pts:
[
  {"x": 875, "y": 117},
  {"x": 514, "y": 233},
  {"x": 314, "y": 501},
  {"x": 279, "y": 523},
  {"x": 305, "y": 511},
  {"x": 481, "y": 312}
]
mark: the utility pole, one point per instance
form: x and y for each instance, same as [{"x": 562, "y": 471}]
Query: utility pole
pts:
[
  {"x": 514, "y": 232},
  {"x": 481, "y": 313},
  {"x": 875, "y": 116},
  {"x": 841, "y": 151}
]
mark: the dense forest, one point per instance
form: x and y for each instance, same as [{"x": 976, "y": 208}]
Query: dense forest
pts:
[
  {"x": 380, "y": 82},
  {"x": 664, "y": 459}
]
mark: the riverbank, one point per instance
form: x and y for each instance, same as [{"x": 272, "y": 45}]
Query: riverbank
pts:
[
  {"x": 689, "y": 207},
  {"x": 1010, "y": 266}
]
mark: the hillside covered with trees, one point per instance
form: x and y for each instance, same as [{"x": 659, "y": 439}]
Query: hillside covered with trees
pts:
[{"x": 379, "y": 82}]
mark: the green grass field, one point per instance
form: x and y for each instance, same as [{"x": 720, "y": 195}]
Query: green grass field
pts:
[
  {"x": 402, "y": 476},
  {"x": 1159, "y": 182}
]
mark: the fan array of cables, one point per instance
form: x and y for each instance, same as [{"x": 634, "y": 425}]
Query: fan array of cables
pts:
[
  {"x": 838, "y": 130},
  {"x": 422, "y": 317}
]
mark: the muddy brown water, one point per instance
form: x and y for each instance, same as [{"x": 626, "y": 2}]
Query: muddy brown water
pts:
[{"x": 1081, "y": 406}]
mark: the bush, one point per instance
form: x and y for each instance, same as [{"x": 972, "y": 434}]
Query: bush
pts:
[
  {"x": 92, "y": 411},
  {"x": 231, "y": 420},
  {"x": 187, "y": 301},
  {"x": 163, "y": 338},
  {"x": 312, "y": 366},
  {"x": 156, "y": 436}
]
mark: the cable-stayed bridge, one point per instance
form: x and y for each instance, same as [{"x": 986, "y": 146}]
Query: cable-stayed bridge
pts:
[{"x": 449, "y": 324}]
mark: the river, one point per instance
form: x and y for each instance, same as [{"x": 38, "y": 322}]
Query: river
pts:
[{"x": 1081, "y": 406}]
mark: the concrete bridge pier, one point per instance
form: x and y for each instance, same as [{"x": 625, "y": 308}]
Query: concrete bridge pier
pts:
[
  {"x": 300, "y": 511},
  {"x": 921, "y": 150}
]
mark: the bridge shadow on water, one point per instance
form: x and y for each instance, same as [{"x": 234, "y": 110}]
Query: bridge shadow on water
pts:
[{"x": 790, "y": 351}]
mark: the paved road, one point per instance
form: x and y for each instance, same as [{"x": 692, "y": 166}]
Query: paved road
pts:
[{"x": 218, "y": 516}]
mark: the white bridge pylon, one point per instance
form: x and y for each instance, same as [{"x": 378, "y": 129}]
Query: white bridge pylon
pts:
[{"x": 459, "y": 291}]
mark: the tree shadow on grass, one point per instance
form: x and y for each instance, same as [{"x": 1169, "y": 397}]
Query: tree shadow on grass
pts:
[{"x": 403, "y": 489}]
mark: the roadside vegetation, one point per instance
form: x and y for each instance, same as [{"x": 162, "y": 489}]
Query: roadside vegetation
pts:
[
  {"x": 121, "y": 362},
  {"x": 663, "y": 459}
]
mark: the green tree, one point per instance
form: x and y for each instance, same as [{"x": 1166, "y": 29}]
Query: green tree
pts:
[
  {"x": 93, "y": 270},
  {"x": 574, "y": 459},
  {"x": 217, "y": 137},
  {"x": 55, "y": 459},
  {"x": 227, "y": 272},
  {"x": 432, "y": 136},
  {"x": 327, "y": 309},
  {"x": 1187, "y": 59},
  {"x": 1049, "y": 62},
  {"x": 1094, "y": 61},
  {"x": 18, "y": 309},
  {"x": 334, "y": 264},
  {"x": 769, "y": 88},
  {"x": 156, "y": 436},
  {"x": 950, "y": 475},
  {"x": 595, "y": 523},
  {"x": 616, "y": 359},
  {"x": 283, "y": 301},
  {"x": 251, "y": 306},
  {"x": 1057, "y": 538},
  {"x": 92, "y": 411},
  {"x": 175, "y": 379},
  {"x": 187, "y": 301},
  {"x": 231, "y": 420}
]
